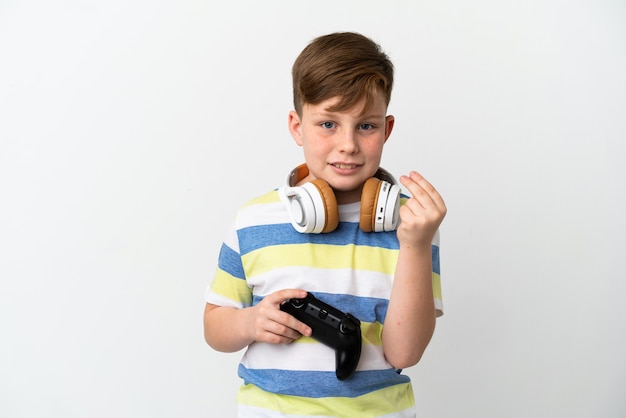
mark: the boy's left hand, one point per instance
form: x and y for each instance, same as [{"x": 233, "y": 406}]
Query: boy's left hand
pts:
[{"x": 422, "y": 214}]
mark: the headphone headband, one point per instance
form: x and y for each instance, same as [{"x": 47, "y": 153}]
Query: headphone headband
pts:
[
  {"x": 297, "y": 174},
  {"x": 385, "y": 175}
]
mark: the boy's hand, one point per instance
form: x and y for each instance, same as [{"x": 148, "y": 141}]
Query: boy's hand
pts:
[
  {"x": 422, "y": 214},
  {"x": 267, "y": 323}
]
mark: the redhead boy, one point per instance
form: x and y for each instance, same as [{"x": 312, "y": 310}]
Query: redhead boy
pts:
[{"x": 342, "y": 85}]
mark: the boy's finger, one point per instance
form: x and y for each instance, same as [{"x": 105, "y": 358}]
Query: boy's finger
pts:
[
  {"x": 300, "y": 326},
  {"x": 286, "y": 294},
  {"x": 422, "y": 189}
]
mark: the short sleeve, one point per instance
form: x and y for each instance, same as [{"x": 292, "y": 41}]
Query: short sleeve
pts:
[{"x": 229, "y": 286}]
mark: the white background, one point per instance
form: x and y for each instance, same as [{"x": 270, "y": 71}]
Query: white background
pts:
[{"x": 131, "y": 131}]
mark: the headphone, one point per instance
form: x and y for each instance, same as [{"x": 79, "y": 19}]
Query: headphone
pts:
[{"x": 313, "y": 207}]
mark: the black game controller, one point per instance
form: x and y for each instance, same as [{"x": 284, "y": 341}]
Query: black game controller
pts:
[{"x": 338, "y": 330}]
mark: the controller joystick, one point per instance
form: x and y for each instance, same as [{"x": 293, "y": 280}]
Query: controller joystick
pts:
[{"x": 332, "y": 327}]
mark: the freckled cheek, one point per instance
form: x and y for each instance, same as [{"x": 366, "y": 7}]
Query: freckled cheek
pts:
[
  {"x": 318, "y": 144},
  {"x": 372, "y": 145},
  {"x": 316, "y": 150}
]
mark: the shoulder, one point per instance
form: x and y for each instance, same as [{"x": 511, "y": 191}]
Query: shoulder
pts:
[
  {"x": 268, "y": 208},
  {"x": 267, "y": 198}
]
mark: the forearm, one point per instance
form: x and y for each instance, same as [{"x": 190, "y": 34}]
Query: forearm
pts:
[
  {"x": 224, "y": 328},
  {"x": 410, "y": 320}
]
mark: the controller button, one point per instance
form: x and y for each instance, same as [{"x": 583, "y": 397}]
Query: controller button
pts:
[
  {"x": 347, "y": 326},
  {"x": 323, "y": 313},
  {"x": 296, "y": 303}
]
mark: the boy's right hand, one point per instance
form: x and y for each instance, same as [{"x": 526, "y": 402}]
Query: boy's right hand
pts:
[{"x": 265, "y": 321}]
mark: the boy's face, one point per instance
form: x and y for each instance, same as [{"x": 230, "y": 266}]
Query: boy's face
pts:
[{"x": 343, "y": 148}]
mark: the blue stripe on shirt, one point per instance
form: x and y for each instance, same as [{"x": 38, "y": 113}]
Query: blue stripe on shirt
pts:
[
  {"x": 230, "y": 262},
  {"x": 317, "y": 384},
  {"x": 435, "y": 256},
  {"x": 347, "y": 233}
]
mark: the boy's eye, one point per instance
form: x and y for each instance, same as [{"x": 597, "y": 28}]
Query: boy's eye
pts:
[
  {"x": 328, "y": 125},
  {"x": 366, "y": 126}
]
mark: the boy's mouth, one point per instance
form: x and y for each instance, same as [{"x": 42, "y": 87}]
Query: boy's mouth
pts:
[{"x": 342, "y": 166}]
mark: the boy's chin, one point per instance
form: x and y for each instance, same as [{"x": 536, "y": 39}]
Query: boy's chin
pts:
[
  {"x": 345, "y": 188},
  {"x": 347, "y": 195}
]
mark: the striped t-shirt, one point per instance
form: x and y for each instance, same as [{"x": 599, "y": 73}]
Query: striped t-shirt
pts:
[{"x": 347, "y": 268}]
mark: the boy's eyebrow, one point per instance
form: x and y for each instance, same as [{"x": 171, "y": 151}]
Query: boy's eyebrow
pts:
[{"x": 324, "y": 114}]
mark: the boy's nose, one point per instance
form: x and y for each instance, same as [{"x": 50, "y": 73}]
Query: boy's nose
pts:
[{"x": 348, "y": 142}]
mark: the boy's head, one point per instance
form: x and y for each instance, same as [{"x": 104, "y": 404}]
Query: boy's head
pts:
[{"x": 345, "y": 65}]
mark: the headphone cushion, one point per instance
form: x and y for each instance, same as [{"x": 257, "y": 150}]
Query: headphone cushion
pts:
[
  {"x": 331, "y": 211},
  {"x": 369, "y": 198}
]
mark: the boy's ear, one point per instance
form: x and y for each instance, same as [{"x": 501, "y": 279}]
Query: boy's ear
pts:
[
  {"x": 389, "y": 121},
  {"x": 295, "y": 127}
]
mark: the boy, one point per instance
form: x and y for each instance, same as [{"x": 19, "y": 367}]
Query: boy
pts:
[{"x": 278, "y": 250}]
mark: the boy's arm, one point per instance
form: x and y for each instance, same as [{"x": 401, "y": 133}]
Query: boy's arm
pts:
[
  {"x": 231, "y": 329},
  {"x": 410, "y": 320}
]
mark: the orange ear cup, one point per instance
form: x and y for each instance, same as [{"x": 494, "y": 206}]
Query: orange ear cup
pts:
[
  {"x": 369, "y": 196},
  {"x": 330, "y": 205}
]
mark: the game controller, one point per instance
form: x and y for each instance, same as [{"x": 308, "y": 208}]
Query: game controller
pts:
[{"x": 332, "y": 327}]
